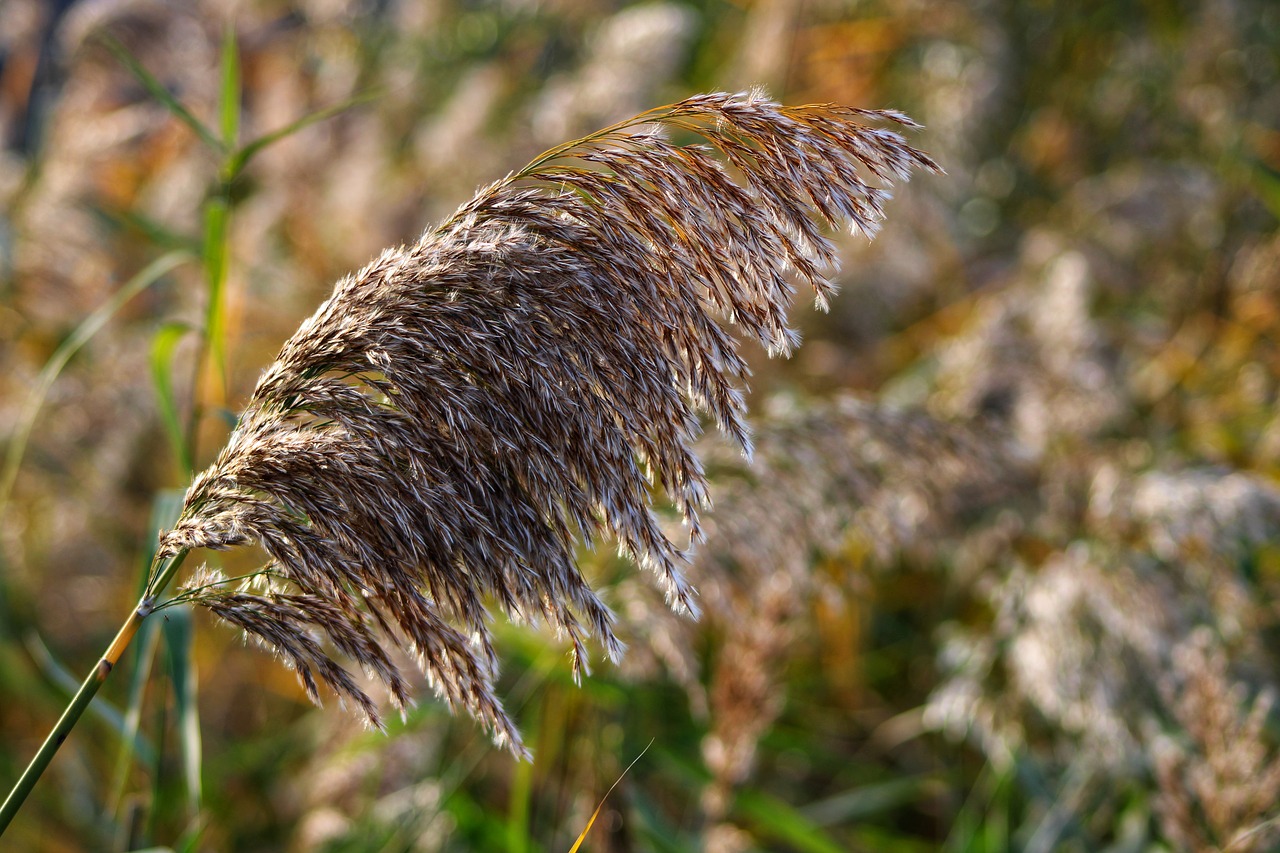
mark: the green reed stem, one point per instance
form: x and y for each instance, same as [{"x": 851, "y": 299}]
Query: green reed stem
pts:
[{"x": 95, "y": 679}]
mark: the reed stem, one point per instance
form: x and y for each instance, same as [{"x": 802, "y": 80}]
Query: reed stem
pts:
[{"x": 87, "y": 691}]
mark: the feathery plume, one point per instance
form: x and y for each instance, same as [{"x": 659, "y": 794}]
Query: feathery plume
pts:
[{"x": 458, "y": 414}]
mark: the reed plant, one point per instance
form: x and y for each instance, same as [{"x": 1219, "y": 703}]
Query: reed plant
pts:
[
  {"x": 1018, "y": 595},
  {"x": 437, "y": 439}
]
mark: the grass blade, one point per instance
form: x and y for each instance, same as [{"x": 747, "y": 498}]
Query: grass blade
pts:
[
  {"x": 242, "y": 157},
  {"x": 784, "y": 822},
  {"x": 134, "y": 222},
  {"x": 158, "y": 91},
  {"x": 91, "y": 325},
  {"x": 595, "y": 814},
  {"x": 162, "y": 347},
  {"x": 178, "y": 635},
  {"x": 229, "y": 93},
  {"x": 216, "y": 216},
  {"x": 866, "y": 800},
  {"x": 521, "y": 801}
]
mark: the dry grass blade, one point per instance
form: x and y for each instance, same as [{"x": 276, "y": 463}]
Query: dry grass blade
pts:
[
  {"x": 458, "y": 414},
  {"x": 582, "y": 836}
]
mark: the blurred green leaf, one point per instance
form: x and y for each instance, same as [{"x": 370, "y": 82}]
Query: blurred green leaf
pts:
[
  {"x": 1266, "y": 184},
  {"x": 876, "y": 838},
  {"x": 240, "y": 159},
  {"x": 654, "y": 828},
  {"x": 162, "y": 346},
  {"x": 216, "y": 215},
  {"x": 777, "y": 819},
  {"x": 966, "y": 827},
  {"x": 229, "y": 91},
  {"x": 158, "y": 91},
  {"x": 140, "y": 223},
  {"x": 89, "y": 327},
  {"x": 166, "y": 506},
  {"x": 519, "y": 808},
  {"x": 866, "y": 800},
  {"x": 995, "y": 828},
  {"x": 178, "y": 634},
  {"x": 143, "y": 653},
  {"x": 475, "y": 822}
]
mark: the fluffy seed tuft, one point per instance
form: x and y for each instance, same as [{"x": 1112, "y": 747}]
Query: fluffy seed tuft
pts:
[{"x": 458, "y": 414}]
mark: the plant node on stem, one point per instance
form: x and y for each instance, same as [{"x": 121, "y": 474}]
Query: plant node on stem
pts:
[{"x": 146, "y": 606}]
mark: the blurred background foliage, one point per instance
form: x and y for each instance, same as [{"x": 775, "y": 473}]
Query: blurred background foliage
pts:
[{"x": 1004, "y": 576}]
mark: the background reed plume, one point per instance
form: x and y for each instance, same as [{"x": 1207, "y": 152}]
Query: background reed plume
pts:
[{"x": 458, "y": 414}]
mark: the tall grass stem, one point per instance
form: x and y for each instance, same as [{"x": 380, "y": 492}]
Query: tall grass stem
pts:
[{"x": 88, "y": 689}]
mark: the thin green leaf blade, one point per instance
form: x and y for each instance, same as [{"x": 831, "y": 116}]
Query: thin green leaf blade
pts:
[
  {"x": 158, "y": 91},
  {"x": 229, "y": 92},
  {"x": 178, "y": 636},
  {"x": 83, "y": 333},
  {"x": 774, "y": 818},
  {"x": 866, "y": 800},
  {"x": 242, "y": 157},
  {"x": 163, "y": 344},
  {"x": 138, "y": 223},
  {"x": 166, "y": 507},
  {"x": 216, "y": 217},
  {"x": 521, "y": 802}
]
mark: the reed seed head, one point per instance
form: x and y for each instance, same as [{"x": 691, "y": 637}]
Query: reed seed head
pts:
[{"x": 461, "y": 412}]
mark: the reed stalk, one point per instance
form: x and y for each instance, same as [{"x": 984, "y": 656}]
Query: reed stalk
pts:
[{"x": 162, "y": 574}]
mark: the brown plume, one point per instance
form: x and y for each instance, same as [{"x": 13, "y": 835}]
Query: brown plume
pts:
[{"x": 458, "y": 414}]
